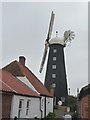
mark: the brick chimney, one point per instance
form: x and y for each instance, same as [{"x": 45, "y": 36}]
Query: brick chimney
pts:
[
  {"x": 22, "y": 60},
  {"x": 52, "y": 88},
  {"x": 52, "y": 91}
]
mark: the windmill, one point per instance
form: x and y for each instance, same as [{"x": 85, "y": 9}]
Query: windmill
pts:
[{"x": 55, "y": 71}]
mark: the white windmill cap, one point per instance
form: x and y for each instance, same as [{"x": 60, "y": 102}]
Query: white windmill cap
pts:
[{"x": 57, "y": 40}]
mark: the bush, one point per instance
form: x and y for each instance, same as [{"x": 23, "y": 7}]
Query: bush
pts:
[
  {"x": 75, "y": 115},
  {"x": 51, "y": 115}
]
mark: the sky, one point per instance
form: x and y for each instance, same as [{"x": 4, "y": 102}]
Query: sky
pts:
[{"x": 24, "y": 30}]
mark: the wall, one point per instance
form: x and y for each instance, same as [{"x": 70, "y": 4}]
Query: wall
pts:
[
  {"x": 6, "y": 105},
  {"x": 49, "y": 105},
  {"x": 34, "y": 108},
  {"x": 0, "y": 105},
  {"x": 85, "y": 106},
  {"x": 42, "y": 106},
  {"x": 10, "y": 106},
  {"x": 46, "y": 105}
]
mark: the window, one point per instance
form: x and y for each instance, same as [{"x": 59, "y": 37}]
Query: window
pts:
[
  {"x": 53, "y": 66},
  {"x": 27, "y": 107},
  {"x": 54, "y": 58},
  {"x": 20, "y": 104},
  {"x": 20, "y": 108},
  {"x": 54, "y": 50},
  {"x": 53, "y": 75}
]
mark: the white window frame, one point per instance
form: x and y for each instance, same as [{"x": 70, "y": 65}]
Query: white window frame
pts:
[
  {"x": 53, "y": 66},
  {"x": 53, "y": 75},
  {"x": 54, "y": 58},
  {"x": 54, "y": 50}
]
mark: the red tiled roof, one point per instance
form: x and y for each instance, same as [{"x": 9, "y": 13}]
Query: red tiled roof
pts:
[
  {"x": 17, "y": 69},
  {"x": 34, "y": 80},
  {"x": 13, "y": 68},
  {"x": 10, "y": 84}
]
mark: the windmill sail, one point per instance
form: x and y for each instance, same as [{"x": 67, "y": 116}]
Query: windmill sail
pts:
[
  {"x": 47, "y": 41},
  {"x": 44, "y": 57},
  {"x": 50, "y": 26}
]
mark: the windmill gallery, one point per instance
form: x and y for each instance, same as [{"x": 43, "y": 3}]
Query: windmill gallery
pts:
[{"x": 55, "y": 72}]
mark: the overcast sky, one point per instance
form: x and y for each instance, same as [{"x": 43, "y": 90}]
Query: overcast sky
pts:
[{"x": 24, "y": 30}]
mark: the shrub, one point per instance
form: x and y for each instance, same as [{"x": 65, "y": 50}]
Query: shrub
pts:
[{"x": 51, "y": 115}]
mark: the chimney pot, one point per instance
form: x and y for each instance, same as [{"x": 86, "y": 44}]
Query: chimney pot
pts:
[{"x": 22, "y": 60}]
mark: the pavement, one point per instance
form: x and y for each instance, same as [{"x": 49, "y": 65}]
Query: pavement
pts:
[{"x": 60, "y": 111}]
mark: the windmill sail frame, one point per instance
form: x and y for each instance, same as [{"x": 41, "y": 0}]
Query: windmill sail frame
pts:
[
  {"x": 50, "y": 26},
  {"x": 47, "y": 41}
]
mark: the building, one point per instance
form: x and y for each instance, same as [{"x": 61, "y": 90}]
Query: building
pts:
[
  {"x": 15, "y": 96},
  {"x": 56, "y": 71},
  {"x": 85, "y": 102},
  {"x": 27, "y": 97}
]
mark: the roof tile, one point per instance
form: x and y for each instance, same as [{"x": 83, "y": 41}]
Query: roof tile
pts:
[
  {"x": 17, "y": 69},
  {"x": 11, "y": 84}
]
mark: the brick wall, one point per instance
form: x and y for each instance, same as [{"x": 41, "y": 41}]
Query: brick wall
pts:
[
  {"x": 0, "y": 105},
  {"x": 6, "y": 105},
  {"x": 89, "y": 106},
  {"x": 85, "y": 107}
]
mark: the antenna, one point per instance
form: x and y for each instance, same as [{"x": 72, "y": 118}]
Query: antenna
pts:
[{"x": 47, "y": 41}]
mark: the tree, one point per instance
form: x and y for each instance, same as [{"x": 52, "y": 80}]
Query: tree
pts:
[{"x": 72, "y": 103}]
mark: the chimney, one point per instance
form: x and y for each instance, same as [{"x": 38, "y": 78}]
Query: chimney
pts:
[
  {"x": 52, "y": 88},
  {"x": 52, "y": 91},
  {"x": 22, "y": 60}
]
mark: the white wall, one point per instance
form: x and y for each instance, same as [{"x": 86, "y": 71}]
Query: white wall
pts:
[
  {"x": 35, "y": 106},
  {"x": 49, "y": 101},
  {"x": 49, "y": 105},
  {"x": 43, "y": 106},
  {"x": 33, "y": 110}
]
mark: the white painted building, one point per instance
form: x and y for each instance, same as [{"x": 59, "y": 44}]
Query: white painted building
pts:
[
  {"x": 29, "y": 107},
  {"x": 45, "y": 102},
  {"x": 29, "y": 97},
  {"x": 25, "y": 107}
]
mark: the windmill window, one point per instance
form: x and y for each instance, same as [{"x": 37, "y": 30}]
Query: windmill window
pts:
[
  {"x": 53, "y": 66},
  {"x": 54, "y": 58},
  {"x": 54, "y": 50},
  {"x": 53, "y": 75}
]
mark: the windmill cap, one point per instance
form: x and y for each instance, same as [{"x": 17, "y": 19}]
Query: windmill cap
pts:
[{"x": 57, "y": 40}]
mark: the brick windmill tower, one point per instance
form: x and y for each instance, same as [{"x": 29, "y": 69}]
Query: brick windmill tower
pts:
[{"x": 55, "y": 71}]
